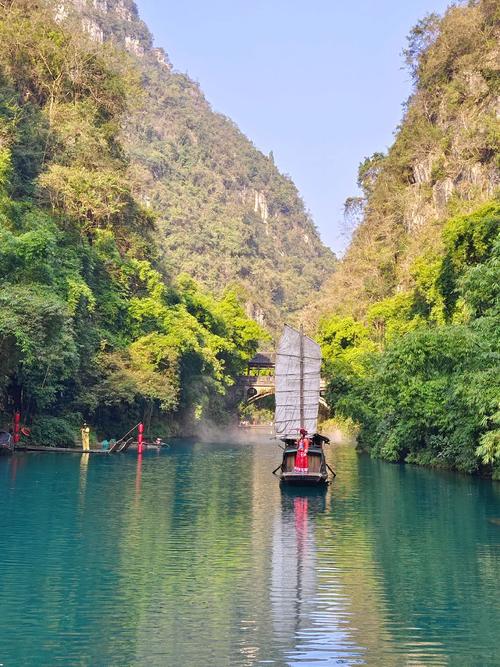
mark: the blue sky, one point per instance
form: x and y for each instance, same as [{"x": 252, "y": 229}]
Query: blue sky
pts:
[{"x": 319, "y": 82}]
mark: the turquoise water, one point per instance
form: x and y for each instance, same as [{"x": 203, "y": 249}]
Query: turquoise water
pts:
[{"x": 195, "y": 557}]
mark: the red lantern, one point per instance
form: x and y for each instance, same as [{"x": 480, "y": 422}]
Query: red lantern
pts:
[
  {"x": 17, "y": 426},
  {"x": 140, "y": 438}
]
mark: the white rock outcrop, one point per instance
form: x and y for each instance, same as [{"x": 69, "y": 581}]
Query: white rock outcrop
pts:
[
  {"x": 94, "y": 29},
  {"x": 261, "y": 207}
]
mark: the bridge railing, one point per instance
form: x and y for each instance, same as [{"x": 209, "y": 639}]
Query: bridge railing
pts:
[
  {"x": 257, "y": 380},
  {"x": 264, "y": 381}
]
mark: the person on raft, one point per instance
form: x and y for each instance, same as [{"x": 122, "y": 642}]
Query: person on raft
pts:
[{"x": 301, "y": 464}]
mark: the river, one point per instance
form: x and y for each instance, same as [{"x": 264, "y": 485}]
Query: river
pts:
[{"x": 194, "y": 557}]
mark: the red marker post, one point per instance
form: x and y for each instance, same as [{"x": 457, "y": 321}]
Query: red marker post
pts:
[
  {"x": 17, "y": 427},
  {"x": 140, "y": 439}
]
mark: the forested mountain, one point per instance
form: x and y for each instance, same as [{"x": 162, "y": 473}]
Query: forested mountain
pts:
[
  {"x": 139, "y": 230},
  {"x": 443, "y": 162},
  {"x": 225, "y": 213},
  {"x": 411, "y": 318},
  {"x": 92, "y": 326}
]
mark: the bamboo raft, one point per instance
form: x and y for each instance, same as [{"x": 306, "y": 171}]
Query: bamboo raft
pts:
[
  {"x": 118, "y": 447},
  {"x": 61, "y": 450}
]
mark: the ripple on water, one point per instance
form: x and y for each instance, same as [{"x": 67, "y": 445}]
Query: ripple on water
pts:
[{"x": 196, "y": 557}]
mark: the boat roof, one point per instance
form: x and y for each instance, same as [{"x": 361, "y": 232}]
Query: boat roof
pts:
[{"x": 262, "y": 359}]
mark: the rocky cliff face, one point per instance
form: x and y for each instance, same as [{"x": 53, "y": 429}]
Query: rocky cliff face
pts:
[
  {"x": 116, "y": 20},
  {"x": 444, "y": 160},
  {"x": 225, "y": 213}
]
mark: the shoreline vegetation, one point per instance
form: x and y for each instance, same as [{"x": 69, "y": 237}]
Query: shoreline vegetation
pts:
[
  {"x": 410, "y": 324},
  {"x": 102, "y": 231},
  {"x": 421, "y": 374},
  {"x": 92, "y": 325}
]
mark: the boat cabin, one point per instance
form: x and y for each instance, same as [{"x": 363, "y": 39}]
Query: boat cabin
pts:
[{"x": 316, "y": 463}]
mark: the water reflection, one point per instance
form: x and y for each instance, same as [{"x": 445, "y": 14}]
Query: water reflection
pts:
[
  {"x": 84, "y": 467},
  {"x": 430, "y": 536},
  {"x": 138, "y": 476},
  {"x": 308, "y": 607},
  {"x": 293, "y": 582},
  {"x": 197, "y": 557}
]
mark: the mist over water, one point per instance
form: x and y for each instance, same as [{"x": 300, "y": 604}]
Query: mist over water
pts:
[
  {"x": 194, "y": 556},
  {"x": 210, "y": 432}
]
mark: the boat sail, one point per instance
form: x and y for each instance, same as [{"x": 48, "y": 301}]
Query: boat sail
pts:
[
  {"x": 297, "y": 383},
  {"x": 297, "y": 393}
]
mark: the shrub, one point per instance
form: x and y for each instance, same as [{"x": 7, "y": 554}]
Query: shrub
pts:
[{"x": 52, "y": 432}]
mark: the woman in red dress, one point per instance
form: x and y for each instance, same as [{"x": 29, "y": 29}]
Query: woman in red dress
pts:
[{"x": 301, "y": 464}]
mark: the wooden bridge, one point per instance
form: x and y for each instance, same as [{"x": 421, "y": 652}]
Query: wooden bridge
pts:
[{"x": 259, "y": 380}]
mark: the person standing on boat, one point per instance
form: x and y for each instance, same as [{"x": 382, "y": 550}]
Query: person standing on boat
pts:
[
  {"x": 85, "y": 437},
  {"x": 301, "y": 464}
]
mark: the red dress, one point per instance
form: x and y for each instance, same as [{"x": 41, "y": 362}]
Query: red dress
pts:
[{"x": 301, "y": 464}]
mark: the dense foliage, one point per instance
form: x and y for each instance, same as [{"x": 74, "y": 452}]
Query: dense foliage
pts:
[
  {"x": 421, "y": 374},
  {"x": 90, "y": 324},
  {"x": 410, "y": 325}
]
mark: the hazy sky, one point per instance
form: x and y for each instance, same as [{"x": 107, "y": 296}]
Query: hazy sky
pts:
[{"x": 318, "y": 82}]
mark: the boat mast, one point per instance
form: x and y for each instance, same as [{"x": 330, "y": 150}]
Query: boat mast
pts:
[{"x": 301, "y": 391}]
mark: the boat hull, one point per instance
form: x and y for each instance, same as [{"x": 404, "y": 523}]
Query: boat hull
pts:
[
  {"x": 309, "y": 479},
  {"x": 5, "y": 450}
]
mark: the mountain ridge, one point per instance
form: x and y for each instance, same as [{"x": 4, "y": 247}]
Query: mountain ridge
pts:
[
  {"x": 92, "y": 326},
  {"x": 225, "y": 214},
  {"x": 443, "y": 161}
]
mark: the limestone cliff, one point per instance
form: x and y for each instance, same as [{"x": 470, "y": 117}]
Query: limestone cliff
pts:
[{"x": 444, "y": 160}]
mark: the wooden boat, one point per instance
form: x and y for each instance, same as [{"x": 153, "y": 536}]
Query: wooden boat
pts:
[
  {"x": 317, "y": 468},
  {"x": 297, "y": 392},
  {"x": 6, "y": 443}
]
